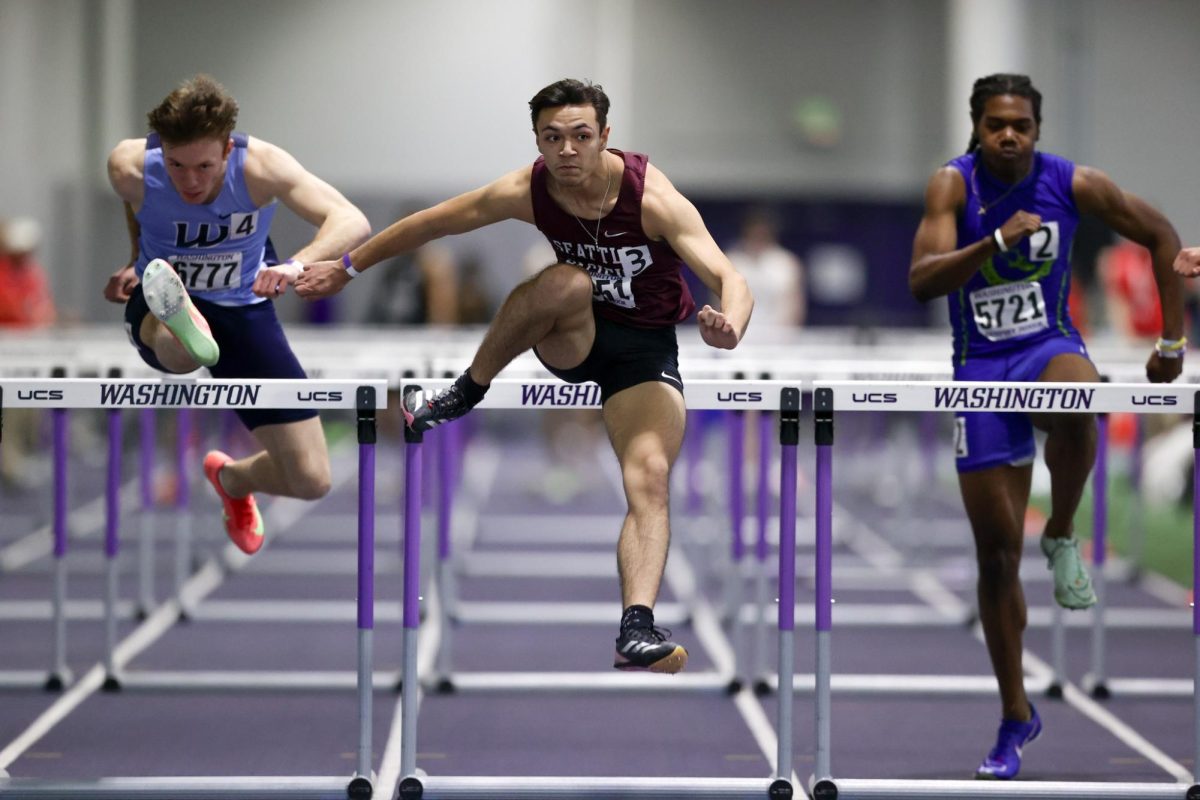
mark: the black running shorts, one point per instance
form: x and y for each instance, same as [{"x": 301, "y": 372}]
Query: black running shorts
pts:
[{"x": 623, "y": 356}]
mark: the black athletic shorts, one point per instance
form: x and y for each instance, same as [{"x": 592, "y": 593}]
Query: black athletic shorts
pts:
[
  {"x": 623, "y": 356},
  {"x": 252, "y": 346}
]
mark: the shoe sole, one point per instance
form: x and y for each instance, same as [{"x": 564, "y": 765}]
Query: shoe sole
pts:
[
  {"x": 169, "y": 303},
  {"x": 1072, "y": 602},
  {"x": 669, "y": 664}
]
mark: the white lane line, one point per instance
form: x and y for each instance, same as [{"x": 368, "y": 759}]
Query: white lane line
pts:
[
  {"x": 682, "y": 579},
  {"x": 283, "y": 513},
  {"x": 429, "y": 638},
  {"x": 207, "y": 579},
  {"x": 82, "y": 522},
  {"x": 1034, "y": 666},
  {"x": 1107, "y": 720}
]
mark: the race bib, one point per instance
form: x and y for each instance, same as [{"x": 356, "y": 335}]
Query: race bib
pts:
[
  {"x": 1012, "y": 309},
  {"x": 617, "y": 288},
  {"x": 209, "y": 272}
]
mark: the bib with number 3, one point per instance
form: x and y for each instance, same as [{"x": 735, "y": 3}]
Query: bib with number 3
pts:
[{"x": 1009, "y": 310}]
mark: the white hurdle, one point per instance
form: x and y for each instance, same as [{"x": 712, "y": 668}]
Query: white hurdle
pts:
[
  {"x": 832, "y": 396},
  {"x": 116, "y": 394},
  {"x": 414, "y": 784}
]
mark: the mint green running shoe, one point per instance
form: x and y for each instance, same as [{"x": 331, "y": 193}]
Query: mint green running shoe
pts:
[
  {"x": 169, "y": 302},
  {"x": 1072, "y": 584}
]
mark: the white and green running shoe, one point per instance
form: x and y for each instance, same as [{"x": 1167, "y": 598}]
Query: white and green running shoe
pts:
[
  {"x": 168, "y": 301},
  {"x": 1072, "y": 584}
]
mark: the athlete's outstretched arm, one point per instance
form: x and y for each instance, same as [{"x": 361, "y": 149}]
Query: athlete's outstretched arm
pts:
[
  {"x": 125, "y": 175},
  {"x": 669, "y": 215},
  {"x": 272, "y": 172},
  {"x": 506, "y": 198},
  {"x": 1138, "y": 221},
  {"x": 938, "y": 267}
]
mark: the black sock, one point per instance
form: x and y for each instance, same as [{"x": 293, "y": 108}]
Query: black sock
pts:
[
  {"x": 637, "y": 617},
  {"x": 471, "y": 390}
]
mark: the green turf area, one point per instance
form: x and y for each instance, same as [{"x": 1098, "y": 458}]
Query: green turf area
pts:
[{"x": 1167, "y": 529}]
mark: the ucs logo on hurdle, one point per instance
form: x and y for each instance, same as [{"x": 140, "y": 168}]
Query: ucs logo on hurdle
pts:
[{"x": 39, "y": 394}]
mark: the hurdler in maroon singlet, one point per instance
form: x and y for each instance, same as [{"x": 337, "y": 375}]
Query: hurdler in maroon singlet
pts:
[{"x": 635, "y": 281}]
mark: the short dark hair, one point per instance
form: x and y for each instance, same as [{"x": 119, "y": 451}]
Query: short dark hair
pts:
[
  {"x": 200, "y": 108},
  {"x": 999, "y": 84},
  {"x": 570, "y": 92}
]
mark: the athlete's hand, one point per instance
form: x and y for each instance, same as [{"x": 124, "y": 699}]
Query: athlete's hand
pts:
[
  {"x": 322, "y": 279},
  {"x": 120, "y": 285},
  {"x": 715, "y": 329},
  {"x": 1187, "y": 263},
  {"x": 273, "y": 281},
  {"x": 1019, "y": 226},
  {"x": 1163, "y": 370}
]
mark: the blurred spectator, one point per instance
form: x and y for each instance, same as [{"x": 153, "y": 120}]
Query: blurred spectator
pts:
[
  {"x": 25, "y": 302},
  {"x": 25, "y": 299},
  {"x": 475, "y": 305},
  {"x": 774, "y": 273},
  {"x": 418, "y": 288},
  {"x": 1131, "y": 295}
]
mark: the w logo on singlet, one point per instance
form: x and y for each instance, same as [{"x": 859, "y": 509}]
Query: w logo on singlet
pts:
[{"x": 183, "y": 236}]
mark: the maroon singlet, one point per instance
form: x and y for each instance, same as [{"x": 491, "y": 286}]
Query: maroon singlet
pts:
[{"x": 635, "y": 280}]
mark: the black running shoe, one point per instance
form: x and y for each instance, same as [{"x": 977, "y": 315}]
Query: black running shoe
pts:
[
  {"x": 649, "y": 649},
  {"x": 448, "y": 404}
]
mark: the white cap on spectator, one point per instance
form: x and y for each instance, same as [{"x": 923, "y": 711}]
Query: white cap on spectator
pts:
[{"x": 22, "y": 235}]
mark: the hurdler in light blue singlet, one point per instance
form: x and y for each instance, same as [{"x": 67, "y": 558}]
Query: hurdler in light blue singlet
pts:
[
  {"x": 1019, "y": 298},
  {"x": 217, "y": 248}
]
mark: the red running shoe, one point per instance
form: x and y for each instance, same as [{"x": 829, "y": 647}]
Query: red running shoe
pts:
[{"x": 243, "y": 523}]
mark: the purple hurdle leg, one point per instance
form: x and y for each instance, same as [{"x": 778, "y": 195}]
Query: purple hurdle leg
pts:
[
  {"x": 60, "y": 674},
  {"x": 146, "y": 517},
  {"x": 694, "y": 452},
  {"x": 445, "y": 441},
  {"x": 789, "y": 437},
  {"x": 1135, "y": 518},
  {"x": 735, "y": 430},
  {"x": 366, "y": 582},
  {"x": 1099, "y": 555},
  {"x": 112, "y": 520},
  {"x": 1196, "y": 579},
  {"x": 823, "y": 413},
  {"x": 183, "y": 517},
  {"x": 412, "y": 605},
  {"x": 761, "y": 549}
]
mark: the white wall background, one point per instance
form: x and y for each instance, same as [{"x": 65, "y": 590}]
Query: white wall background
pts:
[{"x": 414, "y": 100}]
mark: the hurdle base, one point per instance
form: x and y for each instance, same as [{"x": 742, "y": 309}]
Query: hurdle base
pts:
[
  {"x": 533, "y": 788},
  {"x": 239, "y": 788},
  {"x": 1098, "y": 689},
  {"x": 57, "y": 681},
  {"x": 1017, "y": 790},
  {"x": 361, "y": 787}
]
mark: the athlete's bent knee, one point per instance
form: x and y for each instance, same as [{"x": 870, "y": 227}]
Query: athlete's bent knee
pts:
[
  {"x": 564, "y": 285},
  {"x": 311, "y": 484}
]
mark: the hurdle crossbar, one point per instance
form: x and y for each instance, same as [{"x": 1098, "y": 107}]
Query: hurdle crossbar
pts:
[
  {"x": 415, "y": 784},
  {"x": 114, "y": 394},
  {"x": 968, "y": 396}
]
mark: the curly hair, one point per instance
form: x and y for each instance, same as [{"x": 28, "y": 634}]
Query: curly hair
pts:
[{"x": 200, "y": 108}]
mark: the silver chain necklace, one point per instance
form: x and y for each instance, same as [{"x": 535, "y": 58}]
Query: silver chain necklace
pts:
[
  {"x": 595, "y": 237},
  {"x": 985, "y": 207}
]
